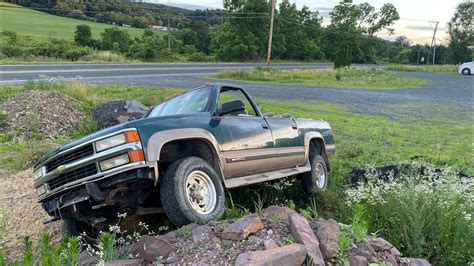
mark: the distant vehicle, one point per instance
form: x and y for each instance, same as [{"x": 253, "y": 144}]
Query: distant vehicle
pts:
[{"x": 466, "y": 68}]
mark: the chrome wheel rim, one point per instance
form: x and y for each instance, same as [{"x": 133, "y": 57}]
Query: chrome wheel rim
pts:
[
  {"x": 320, "y": 175},
  {"x": 200, "y": 192}
]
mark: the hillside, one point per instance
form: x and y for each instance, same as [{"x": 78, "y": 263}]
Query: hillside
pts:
[{"x": 32, "y": 22}]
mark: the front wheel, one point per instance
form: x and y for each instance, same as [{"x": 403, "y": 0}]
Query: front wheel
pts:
[
  {"x": 191, "y": 192},
  {"x": 73, "y": 227},
  {"x": 318, "y": 176},
  {"x": 466, "y": 71}
]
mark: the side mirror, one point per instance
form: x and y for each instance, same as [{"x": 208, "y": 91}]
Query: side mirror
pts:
[{"x": 234, "y": 107}]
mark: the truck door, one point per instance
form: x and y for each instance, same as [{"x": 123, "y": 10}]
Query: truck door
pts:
[
  {"x": 245, "y": 137},
  {"x": 289, "y": 148}
]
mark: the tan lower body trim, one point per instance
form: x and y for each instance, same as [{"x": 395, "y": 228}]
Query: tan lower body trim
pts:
[{"x": 330, "y": 150}]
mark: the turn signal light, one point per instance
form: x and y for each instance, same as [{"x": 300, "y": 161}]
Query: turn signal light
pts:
[
  {"x": 132, "y": 136},
  {"x": 136, "y": 156}
]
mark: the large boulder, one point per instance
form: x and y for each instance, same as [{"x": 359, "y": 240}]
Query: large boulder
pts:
[
  {"x": 242, "y": 228},
  {"x": 327, "y": 232},
  {"x": 116, "y": 112},
  {"x": 293, "y": 254},
  {"x": 301, "y": 230}
]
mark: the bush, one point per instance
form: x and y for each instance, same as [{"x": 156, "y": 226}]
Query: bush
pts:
[
  {"x": 423, "y": 211},
  {"x": 198, "y": 57},
  {"x": 115, "y": 39},
  {"x": 83, "y": 35}
]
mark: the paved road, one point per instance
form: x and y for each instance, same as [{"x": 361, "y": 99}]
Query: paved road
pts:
[
  {"x": 447, "y": 95},
  {"x": 102, "y": 73}
]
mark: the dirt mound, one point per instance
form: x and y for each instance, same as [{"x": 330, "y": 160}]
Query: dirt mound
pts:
[
  {"x": 42, "y": 114},
  {"x": 24, "y": 215}
]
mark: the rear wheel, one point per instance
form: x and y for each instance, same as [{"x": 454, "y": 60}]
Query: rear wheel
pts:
[
  {"x": 191, "y": 191},
  {"x": 318, "y": 176},
  {"x": 466, "y": 71}
]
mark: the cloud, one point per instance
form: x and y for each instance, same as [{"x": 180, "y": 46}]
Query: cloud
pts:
[{"x": 423, "y": 28}]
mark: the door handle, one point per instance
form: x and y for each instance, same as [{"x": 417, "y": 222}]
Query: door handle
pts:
[
  {"x": 294, "y": 126},
  {"x": 264, "y": 125}
]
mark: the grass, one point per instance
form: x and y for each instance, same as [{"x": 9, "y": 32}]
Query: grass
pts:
[
  {"x": 424, "y": 68},
  {"x": 366, "y": 78},
  {"x": 32, "y": 22}
]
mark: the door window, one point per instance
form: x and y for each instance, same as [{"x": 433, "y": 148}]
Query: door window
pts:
[{"x": 229, "y": 95}]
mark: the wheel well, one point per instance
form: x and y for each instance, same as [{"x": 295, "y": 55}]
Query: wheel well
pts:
[
  {"x": 316, "y": 145},
  {"x": 177, "y": 149}
]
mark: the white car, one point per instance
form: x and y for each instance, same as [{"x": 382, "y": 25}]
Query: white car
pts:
[{"x": 466, "y": 68}]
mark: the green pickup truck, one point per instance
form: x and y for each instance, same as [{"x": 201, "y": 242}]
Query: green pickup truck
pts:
[{"x": 179, "y": 159}]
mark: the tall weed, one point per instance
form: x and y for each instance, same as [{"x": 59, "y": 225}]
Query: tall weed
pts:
[{"x": 423, "y": 211}]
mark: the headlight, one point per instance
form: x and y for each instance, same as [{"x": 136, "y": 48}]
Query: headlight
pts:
[
  {"x": 114, "y": 162},
  {"x": 119, "y": 139},
  {"x": 38, "y": 172},
  {"x": 40, "y": 190}
]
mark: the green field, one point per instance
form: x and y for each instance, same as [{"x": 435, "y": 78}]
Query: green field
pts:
[
  {"x": 32, "y": 22},
  {"x": 350, "y": 77}
]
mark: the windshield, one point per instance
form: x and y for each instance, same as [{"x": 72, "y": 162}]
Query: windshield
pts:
[{"x": 189, "y": 102}]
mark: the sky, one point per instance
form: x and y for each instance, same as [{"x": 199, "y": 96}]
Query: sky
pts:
[{"x": 414, "y": 15}]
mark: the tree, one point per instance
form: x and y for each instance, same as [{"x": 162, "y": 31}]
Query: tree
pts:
[
  {"x": 83, "y": 35},
  {"x": 461, "y": 32},
  {"x": 115, "y": 39},
  {"x": 241, "y": 38},
  {"x": 350, "y": 23},
  {"x": 302, "y": 25}
]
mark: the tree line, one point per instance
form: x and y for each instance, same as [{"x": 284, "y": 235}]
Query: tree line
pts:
[{"x": 299, "y": 34}]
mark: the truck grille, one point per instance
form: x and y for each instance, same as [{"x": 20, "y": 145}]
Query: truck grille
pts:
[
  {"x": 74, "y": 175},
  {"x": 83, "y": 152}
]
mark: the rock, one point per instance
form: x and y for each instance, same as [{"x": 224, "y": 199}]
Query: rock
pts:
[
  {"x": 327, "y": 232},
  {"x": 300, "y": 229},
  {"x": 242, "y": 228},
  {"x": 357, "y": 260},
  {"x": 389, "y": 259},
  {"x": 293, "y": 254},
  {"x": 200, "y": 232},
  {"x": 86, "y": 258},
  {"x": 413, "y": 262},
  {"x": 117, "y": 112},
  {"x": 169, "y": 236},
  {"x": 370, "y": 258},
  {"x": 382, "y": 245},
  {"x": 150, "y": 248},
  {"x": 277, "y": 212},
  {"x": 394, "y": 251},
  {"x": 132, "y": 262},
  {"x": 270, "y": 244}
]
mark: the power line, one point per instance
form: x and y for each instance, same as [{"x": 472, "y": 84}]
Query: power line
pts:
[{"x": 25, "y": 10}]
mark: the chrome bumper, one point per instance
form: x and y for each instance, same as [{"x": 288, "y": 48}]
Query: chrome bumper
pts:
[{"x": 95, "y": 158}]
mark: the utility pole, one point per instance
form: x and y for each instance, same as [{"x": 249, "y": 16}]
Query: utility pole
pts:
[
  {"x": 169, "y": 33},
  {"x": 270, "y": 35},
  {"x": 433, "y": 43}
]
